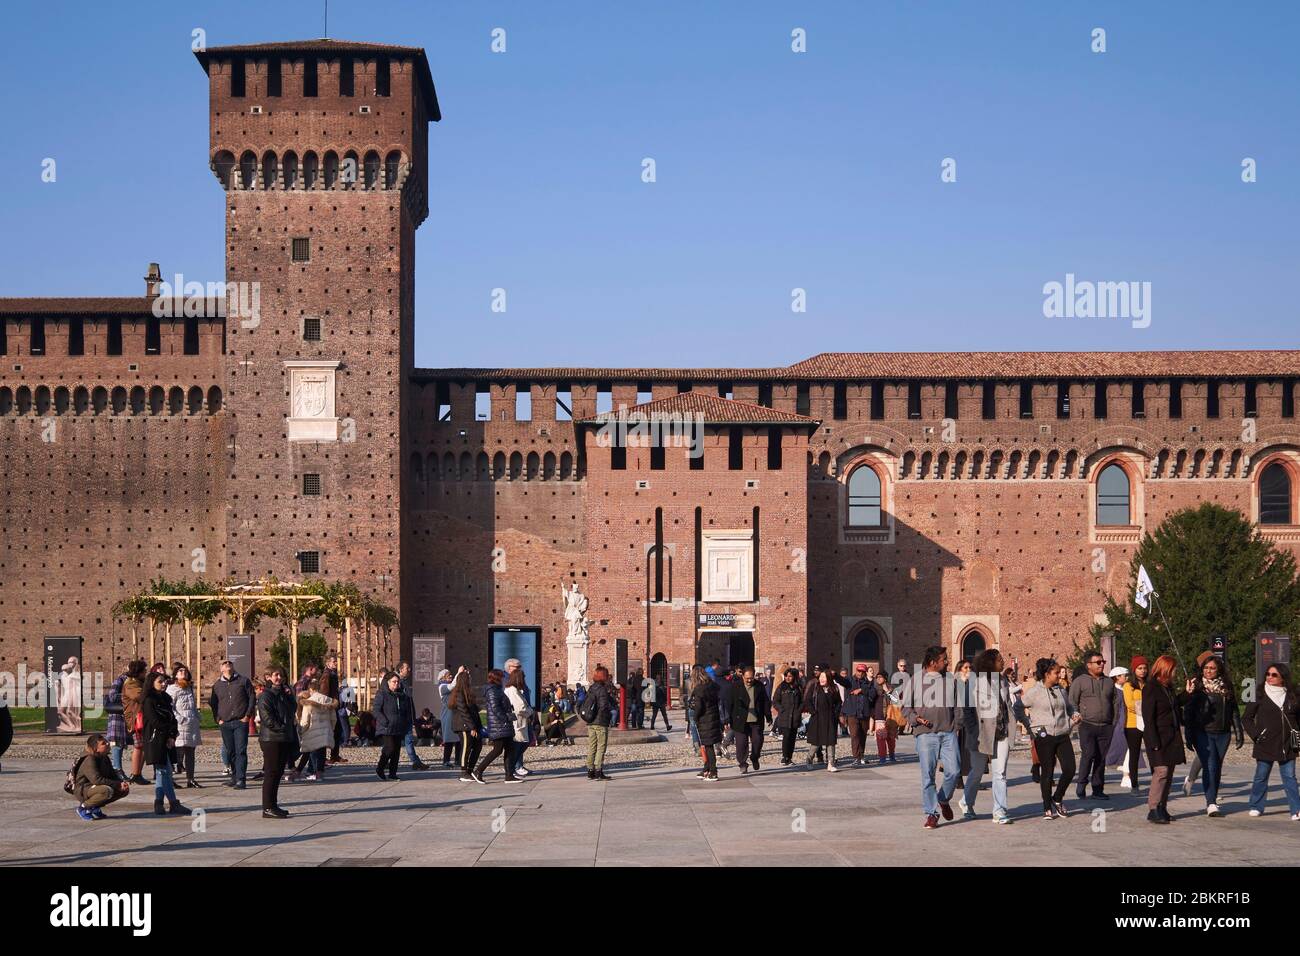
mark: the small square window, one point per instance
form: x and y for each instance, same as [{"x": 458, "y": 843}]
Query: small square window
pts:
[
  {"x": 311, "y": 484},
  {"x": 309, "y": 562},
  {"x": 302, "y": 249},
  {"x": 311, "y": 328}
]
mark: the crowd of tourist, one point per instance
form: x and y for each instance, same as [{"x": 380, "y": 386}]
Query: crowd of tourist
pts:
[{"x": 965, "y": 725}]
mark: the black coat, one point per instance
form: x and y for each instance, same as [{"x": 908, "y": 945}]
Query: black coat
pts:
[
  {"x": 276, "y": 712},
  {"x": 159, "y": 726},
  {"x": 1212, "y": 713},
  {"x": 739, "y": 709},
  {"x": 1269, "y": 726},
  {"x": 787, "y": 699},
  {"x": 465, "y": 716},
  {"x": 708, "y": 719},
  {"x": 393, "y": 713},
  {"x": 1161, "y": 713},
  {"x": 823, "y": 703}
]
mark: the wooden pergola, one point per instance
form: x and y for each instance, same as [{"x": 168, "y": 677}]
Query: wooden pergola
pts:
[{"x": 239, "y": 598}]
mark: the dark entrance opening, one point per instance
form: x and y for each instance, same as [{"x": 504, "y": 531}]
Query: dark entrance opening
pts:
[
  {"x": 972, "y": 644},
  {"x": 659, "y": 670},
  {"x": 740, "y": 648}
]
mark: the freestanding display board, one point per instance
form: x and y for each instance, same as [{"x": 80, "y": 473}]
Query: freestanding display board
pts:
[
  {"x": 239, "y": 651},
  {"x": 63, "y": 685},
  {"x": 525, "y": 643},
  {"x": 428, "y": 657}
]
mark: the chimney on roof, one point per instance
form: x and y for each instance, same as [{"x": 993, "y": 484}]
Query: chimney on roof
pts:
[{"x": 152, "y": 280}]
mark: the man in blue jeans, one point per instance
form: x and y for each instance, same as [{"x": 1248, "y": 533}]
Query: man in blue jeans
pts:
[
  {"x": 233, "y": 702},
  {"x": 404, "y": 674},
  {"x": 930, "y": 706}
]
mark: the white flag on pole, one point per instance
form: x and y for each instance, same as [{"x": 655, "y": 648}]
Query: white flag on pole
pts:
[{"x": 1144, "y": 588}]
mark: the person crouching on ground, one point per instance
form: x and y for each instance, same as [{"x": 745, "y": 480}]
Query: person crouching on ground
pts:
[{"x": 96, "y": 782}]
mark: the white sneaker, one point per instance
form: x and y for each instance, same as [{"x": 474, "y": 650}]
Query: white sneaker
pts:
[
  {"x": 832, "y": 768},
  {"x": 961, "y": 805},
  {"x": 1126, "y": 784},
  {"x": 1213, "y": 810},
  {"x": 523, "y": 772},
  {"x": 1256, "y": 813},
  {"x": 1295, "y": 818},
  {"x": 1187, "y": 786}
]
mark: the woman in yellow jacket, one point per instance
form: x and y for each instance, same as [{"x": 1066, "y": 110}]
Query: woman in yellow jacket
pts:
[{"x": 1137, "y": 678}]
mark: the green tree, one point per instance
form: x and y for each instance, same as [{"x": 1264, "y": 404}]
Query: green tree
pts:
[
  {"x": 311, "y": 650},
  {"x": 1214, "y": 574}
]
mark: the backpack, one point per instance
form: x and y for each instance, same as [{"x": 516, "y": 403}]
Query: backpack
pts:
[
  {"x": 588, "y": 708},
  {"x": 70, "y": 781}
]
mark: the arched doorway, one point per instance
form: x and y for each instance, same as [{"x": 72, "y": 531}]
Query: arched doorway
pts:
[
  {"x": 866, "y": 646},
  {"x": 972, "y": 643},
  {"x": 659, "y": 670}
]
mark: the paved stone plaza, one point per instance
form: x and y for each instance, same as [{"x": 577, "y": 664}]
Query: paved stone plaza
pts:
[{"x": 655, "y": 813}]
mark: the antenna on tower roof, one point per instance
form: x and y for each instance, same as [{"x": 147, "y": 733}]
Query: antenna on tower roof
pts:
[{"x": 327, "y": 19}]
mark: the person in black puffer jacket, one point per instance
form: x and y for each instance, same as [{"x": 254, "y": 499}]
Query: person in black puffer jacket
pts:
[
  {"x": 500, "y": 727},
  {"x": 159, "y": 734},
  {"x": 708, "y": 720},
  {"x": 393, "y": 720},
  {"x": 276, "y": 711},
  {"x": 1272, "y": 720}
]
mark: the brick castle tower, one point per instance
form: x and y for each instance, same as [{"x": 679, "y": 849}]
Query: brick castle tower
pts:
[{"x": 321, "y": 147}]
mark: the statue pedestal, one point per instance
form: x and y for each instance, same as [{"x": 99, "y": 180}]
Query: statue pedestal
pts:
[{"x": 578, "y": 664}]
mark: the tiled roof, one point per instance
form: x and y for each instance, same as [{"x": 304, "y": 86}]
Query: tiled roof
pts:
[
  {"x": 710, "y": 408},
  {"x": 928, "y": 365},
  {"x": 327, "y": 45},
  {"x": 90, "y": 305},
  {"x": 1191, "y": 364}
]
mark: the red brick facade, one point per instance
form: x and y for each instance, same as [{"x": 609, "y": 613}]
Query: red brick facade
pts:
[{"x": 186, "y": 450}]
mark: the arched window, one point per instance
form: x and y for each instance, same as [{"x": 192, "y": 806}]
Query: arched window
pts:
[
  {"x": 270, "y": 170},
  {"x": 372, "y": 169},
  {"x": 1275, "y": 495},
  {"x": 214, "y": 400},
  {"x": 1113, "y": 497},
  {"x": 864, "y": 498},
  {"x": 99, "y": 399},
  {"x": 248, "y": 169},
  {"x": 331, "y": 169},
  {"x": 290, "y": 169},
  {"x": 310, "y": 170},
  {"x": 194, "y": 403},
  {"x": 224, "y": 164},
  {"x": 392, "y": 165}
]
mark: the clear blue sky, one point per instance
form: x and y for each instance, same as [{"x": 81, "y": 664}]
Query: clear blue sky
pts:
[{"x": 776, "y": 170}]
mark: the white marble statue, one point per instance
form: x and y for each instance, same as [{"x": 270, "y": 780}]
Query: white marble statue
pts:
[{"x": 578, "y": 637}]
